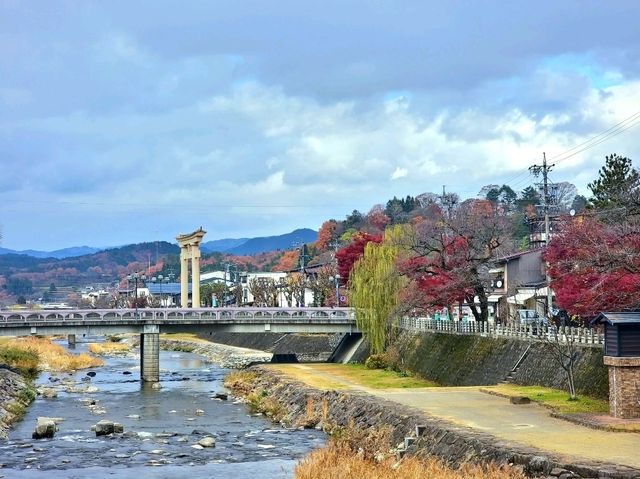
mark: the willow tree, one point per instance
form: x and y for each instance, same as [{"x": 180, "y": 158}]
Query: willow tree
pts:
[{"x": 374, "y": 286}]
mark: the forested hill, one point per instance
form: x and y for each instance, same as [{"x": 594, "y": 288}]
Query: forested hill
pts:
[{"x": 104, "y": 266}]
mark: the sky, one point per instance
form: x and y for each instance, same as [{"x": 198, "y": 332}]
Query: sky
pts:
[{"x": 129, "y": 121}]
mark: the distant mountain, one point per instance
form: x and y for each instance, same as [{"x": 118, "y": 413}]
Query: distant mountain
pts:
[
  {"x": 104, "y": 266},
  {"x": 71, "y": 252},
  {"x": 222, "y": 245},
  {"x": 272, "y": 243}
]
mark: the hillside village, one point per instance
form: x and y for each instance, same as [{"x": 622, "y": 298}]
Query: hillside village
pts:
[{"x": 477, "y": 259}]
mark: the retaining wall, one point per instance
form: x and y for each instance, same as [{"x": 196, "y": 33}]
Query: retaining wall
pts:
[
  {"x": 470, "y": 360},
  {"x": 306, "y": 347}
]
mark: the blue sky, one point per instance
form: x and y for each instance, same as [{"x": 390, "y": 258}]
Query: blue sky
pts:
[{"x": 126, "y": 121}]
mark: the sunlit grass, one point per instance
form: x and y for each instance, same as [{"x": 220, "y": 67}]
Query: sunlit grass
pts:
[
  {"x": 108, "y": 348},
  {"x": 555, "y": 399},
  {"x": 338, "y": 461},
  {"x": 50, "y": 356},
  {"x": 331, "y": 375}
]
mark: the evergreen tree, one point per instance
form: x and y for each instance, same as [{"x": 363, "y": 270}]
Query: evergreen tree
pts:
[
  {"x": 617, "y": 186},
  {"x": 529, "y": 196}
]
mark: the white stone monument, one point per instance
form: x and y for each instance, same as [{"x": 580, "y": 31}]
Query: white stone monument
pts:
[{"x": 190, "y": 250}]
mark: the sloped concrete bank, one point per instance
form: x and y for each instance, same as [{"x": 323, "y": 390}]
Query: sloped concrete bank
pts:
[
  {"x": 306, "y": 347},
  {"x": 296, "y": 404},
  {"x": 469, "y": 360},
  {"x": 16, "y": 393}
]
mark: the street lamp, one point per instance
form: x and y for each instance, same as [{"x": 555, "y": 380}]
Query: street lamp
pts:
[
  {"x": 336, "y": 278},
  {"x": 159, "y": 280},
  {"x": 135, "y": 277}
]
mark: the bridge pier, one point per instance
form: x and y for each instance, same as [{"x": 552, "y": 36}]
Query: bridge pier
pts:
[{"x": 150, "y": 354}]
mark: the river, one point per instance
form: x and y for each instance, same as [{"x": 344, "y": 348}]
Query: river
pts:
[{"x": 161, "y": 426}]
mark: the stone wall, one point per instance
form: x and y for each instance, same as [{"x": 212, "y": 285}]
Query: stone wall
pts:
[
  {"x": 469, "y": 360},
  {"x": 304, "y": 406},
  {"x": 15, "y": 395}
]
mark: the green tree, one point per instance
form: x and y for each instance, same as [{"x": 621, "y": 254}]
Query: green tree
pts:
[
  {"x": 528, "y": 197},
  {"x": 374, "y": 287},
  {"x": 617, "y": 186},
  {"x": 579, "y": 203}
]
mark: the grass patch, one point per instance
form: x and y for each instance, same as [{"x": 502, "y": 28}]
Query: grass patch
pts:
[
  {"x": 108, "y": 348},
  {"x": 25, "y": 362},
  {"x": 47, "y": 355},
  {"x": 555, "y": 399},
  {"x": 378, "y": 378}
]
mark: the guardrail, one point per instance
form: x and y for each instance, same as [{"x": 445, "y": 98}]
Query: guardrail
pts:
[
  {"x": 532, "y": 332},
  {"x": 169, "y": 314}
]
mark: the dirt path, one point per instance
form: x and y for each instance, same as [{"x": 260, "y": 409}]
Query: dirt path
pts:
[{"x": 529, "y": 425}]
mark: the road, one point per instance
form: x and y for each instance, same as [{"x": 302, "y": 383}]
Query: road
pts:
[{"x": 529, "y": 424}]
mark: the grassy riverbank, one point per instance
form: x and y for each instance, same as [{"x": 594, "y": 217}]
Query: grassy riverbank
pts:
[
  {"x": 27, "y": 357},
  {"x": 555, "y": 399},
  {"x": 31, "y": 354},
  {"x": 339, "y": 461},
  {"x": 352, "y": 453}
]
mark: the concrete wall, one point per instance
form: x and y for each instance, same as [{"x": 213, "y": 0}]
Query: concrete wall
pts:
[
  {"x": 306, "y": 347},
  {"x": 456, "y": 360}
]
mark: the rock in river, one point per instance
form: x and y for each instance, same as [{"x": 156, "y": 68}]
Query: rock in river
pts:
[
  {"x": 207, "y": 442},
  {"x": 104, "y": 427},
  {"x": 45, "y": 428}
]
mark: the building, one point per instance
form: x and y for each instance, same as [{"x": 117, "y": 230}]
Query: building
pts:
[{"x": 518, "y": 283}]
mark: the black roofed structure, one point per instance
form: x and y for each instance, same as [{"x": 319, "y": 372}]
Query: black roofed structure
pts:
[{"x": 622, "y": 355}]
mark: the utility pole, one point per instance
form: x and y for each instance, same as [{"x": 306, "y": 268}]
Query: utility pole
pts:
[{"x": 537, "y": 170}]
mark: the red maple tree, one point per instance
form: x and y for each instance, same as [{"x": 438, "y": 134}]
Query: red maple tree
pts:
[
  {"x": 595, "y": 266},
  {"x": 351, "y": 253}
]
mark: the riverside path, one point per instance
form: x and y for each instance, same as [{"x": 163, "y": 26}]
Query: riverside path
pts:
[{"x": 528, "y": 424}]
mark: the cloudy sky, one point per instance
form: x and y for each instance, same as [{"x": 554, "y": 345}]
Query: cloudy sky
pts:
[{"x": 125, "y": 121}]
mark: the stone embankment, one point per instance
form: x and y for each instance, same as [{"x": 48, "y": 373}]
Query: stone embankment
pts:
[
  {"x": 16, "y": 393},
  {"x": 295, "y": 404},
  {"x": 225, "y": 356}
]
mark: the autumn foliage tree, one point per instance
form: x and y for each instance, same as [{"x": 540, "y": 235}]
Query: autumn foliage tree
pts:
[
  {"x": 351, "y": 253},
  {"x": 596, "y": 266},
  {"x": 452, "y": 257},
  {"x": 326, "y": 234}
]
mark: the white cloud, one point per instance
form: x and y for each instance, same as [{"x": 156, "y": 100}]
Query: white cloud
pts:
[{"x": 399, "y": 173}]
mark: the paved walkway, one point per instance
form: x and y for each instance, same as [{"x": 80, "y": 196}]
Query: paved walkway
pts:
[{"x": 529, "y": 424}]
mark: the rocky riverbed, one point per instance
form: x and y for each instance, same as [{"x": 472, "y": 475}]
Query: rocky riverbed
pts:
[
  {"x": 186, "y": 428},
  {"x": 230, "y": 357}
]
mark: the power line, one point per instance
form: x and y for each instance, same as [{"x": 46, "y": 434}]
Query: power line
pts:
[{"x": 620, "y": 127}]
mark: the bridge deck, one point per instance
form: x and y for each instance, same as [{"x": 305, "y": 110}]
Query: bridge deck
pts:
[{"x": 110, "y": 321}]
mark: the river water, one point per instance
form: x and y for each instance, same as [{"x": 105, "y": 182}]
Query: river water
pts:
[{"x": 161, "y": 426}]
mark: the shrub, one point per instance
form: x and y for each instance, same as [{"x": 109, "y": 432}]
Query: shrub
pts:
[{"x": 377, "y": 361}]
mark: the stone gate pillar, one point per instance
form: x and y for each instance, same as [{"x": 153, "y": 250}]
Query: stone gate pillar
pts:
[{"x": 190, "y": 250}]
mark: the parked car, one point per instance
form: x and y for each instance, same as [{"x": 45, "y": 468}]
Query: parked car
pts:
[{"x": 530, "y": 317}]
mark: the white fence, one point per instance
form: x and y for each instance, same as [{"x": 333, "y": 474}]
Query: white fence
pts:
[{"x": 532, "y": 332}]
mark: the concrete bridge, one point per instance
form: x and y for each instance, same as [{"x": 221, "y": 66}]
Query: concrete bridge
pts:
[{"x": 150, "y": 322}]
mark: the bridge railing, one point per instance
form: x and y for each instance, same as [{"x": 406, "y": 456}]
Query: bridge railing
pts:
[
  {"x": 531, "y": 332},
  {"x": 175, "y": 314}
]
